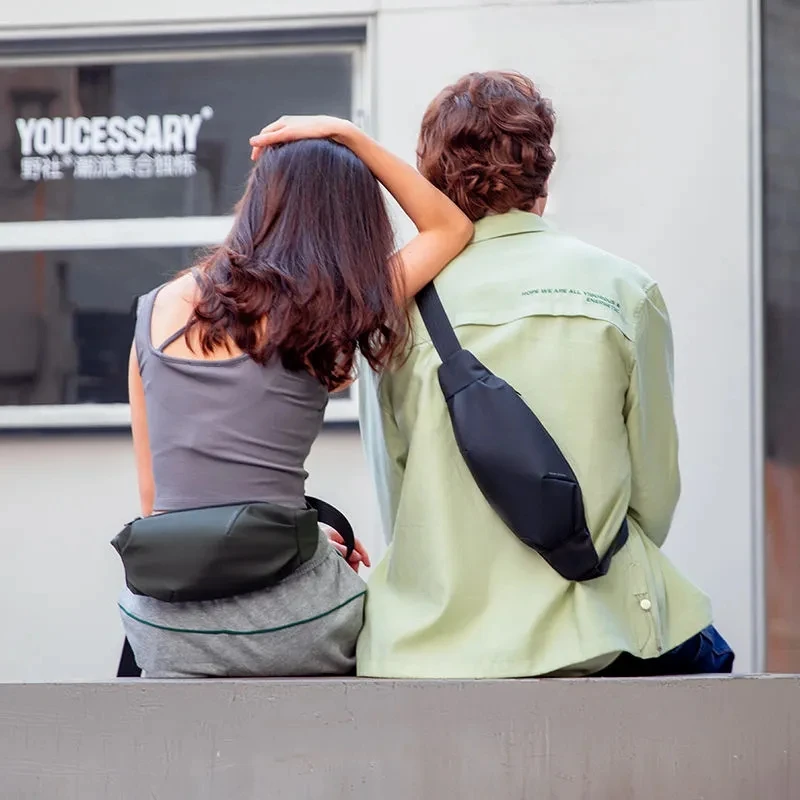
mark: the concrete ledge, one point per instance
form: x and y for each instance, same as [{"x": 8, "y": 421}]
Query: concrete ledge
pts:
[{"x": 676, "y": 739}]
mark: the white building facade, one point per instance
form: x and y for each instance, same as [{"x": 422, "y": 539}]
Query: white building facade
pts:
[{"x": 123, "y": 145}]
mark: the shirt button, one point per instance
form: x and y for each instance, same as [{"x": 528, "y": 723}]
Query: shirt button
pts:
[{"x": 645, "y": 604}]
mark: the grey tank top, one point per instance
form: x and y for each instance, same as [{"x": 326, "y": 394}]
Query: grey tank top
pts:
[{"x": 225, "y": 432}]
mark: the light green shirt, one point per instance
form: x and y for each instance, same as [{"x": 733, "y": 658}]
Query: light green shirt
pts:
[{"x": 585, "y": 338}]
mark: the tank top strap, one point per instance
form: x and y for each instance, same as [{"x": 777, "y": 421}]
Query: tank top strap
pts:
[
  {"x": 182, "y": 330},
  {"x": 143, "y": 326},
  {"x": 173, "y": 338}
]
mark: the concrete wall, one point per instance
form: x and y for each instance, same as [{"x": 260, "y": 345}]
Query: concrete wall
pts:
[
  {"x": 249, "y": 740},
  {"x": 655, "y": 149}
]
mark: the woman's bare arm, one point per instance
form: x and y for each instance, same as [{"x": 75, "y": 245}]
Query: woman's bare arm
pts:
[{"x": 141, "y": 439}]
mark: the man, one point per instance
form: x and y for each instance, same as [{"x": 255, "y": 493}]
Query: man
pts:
[{"x": 585, "y": 338}]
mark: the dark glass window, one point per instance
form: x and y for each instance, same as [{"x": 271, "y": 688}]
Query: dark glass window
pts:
[
  {"x": 164, "y": 138},
  {"x": 67, "y": 320},
  {"x": 781, "y": 80},
  {"x": 156, "y": 137}
]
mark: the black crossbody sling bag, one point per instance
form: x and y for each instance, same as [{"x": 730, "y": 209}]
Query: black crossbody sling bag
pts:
[
  {"x": 220, "y": 551},
  {"x": 515, "y": 462}
]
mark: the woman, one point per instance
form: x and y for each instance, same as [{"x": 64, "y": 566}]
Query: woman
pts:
[{"x": 254, "y": 338}]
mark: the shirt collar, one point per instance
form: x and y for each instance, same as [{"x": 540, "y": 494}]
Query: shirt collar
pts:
[{"x": 509, "y": 224}]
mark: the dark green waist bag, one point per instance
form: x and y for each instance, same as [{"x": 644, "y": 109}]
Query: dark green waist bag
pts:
[{"x": 222, "y": 551}]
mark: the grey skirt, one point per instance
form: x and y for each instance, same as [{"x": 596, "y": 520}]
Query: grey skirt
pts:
[{"x": 306, "y": 625}]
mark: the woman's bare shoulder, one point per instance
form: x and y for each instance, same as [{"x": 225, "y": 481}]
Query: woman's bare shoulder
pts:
[
  {"x": 172, "y": 308},
  {"x": 178, "y": 292}
]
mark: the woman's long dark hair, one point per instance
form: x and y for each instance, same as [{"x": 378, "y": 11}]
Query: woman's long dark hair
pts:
[{"x": 305, "y": 274}]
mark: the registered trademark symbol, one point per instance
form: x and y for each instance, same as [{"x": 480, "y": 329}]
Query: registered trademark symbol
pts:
[{"x": 206, "y": 112}]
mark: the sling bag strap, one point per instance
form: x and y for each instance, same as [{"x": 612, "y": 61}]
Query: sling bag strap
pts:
[
  {"x": 331, "y": 516},
  {"x": 435, "y": 318}
]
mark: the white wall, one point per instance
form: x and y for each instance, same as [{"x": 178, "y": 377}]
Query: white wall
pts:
[
  {"x": 654, "y": 121},
  {"x": 652, "y": 97}
]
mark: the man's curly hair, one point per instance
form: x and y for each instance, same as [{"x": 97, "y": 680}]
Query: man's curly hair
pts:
[{"x": 485, "y": 143}]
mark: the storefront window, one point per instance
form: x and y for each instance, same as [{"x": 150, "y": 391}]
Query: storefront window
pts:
[
  {"x": 155, "y": 139},
  {"x": 114, "y": 170},
  {"x": 781, "y": 24}
]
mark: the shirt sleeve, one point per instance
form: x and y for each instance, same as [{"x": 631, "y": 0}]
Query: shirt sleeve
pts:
[
  {"x": 650, "y": 420},
  {"x": 384, "y": 448}
]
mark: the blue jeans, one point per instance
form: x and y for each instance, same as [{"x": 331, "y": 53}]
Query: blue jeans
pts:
[{"x": 704, "y": 654}]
